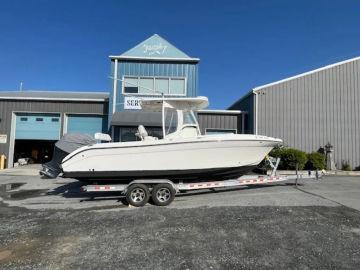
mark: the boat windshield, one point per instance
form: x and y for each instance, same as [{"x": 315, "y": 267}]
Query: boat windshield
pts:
[
  {"x": 189, "y": 118},
  {"x": 171, "y": 120}
]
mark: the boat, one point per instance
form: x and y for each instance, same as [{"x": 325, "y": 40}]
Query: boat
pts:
[{"x": 182, "y": 154}]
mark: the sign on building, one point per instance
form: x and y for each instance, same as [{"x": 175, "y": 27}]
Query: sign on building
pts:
[
  {"x": 132, "y": 103},
  {"x": 3, "y": 138},
  {"x": 154, "y": 49}
]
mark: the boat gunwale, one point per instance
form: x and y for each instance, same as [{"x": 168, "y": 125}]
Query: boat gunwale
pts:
[{"x": 163, "y": 144}]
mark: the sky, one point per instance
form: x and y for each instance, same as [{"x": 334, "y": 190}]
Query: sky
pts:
[{"x": 64, "y": 45}]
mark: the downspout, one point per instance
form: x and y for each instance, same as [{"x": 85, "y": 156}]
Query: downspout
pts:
[
  {"x": 163, "y": 116},
  {"x": 256, "y": 102},
  {"x": 115, "y": 85},
  {"x": 242, "y": 122}
]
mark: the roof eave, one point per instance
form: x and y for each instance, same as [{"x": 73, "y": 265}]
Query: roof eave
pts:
[
  {"x": 252, "y": 91},
  {"x": 54, "y": 99},
  {"x": 306, "y": 73},
  {"x": 220, "y": 111},
  {"x": 165, "y": 59}
]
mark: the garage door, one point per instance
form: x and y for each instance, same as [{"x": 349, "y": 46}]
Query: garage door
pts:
[
  {"x": 30, "y": 126},
  {"x": 85, "y": 124}
]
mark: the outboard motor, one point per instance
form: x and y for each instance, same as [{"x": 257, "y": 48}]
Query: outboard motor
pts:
[{"x": 67, "y": 144}]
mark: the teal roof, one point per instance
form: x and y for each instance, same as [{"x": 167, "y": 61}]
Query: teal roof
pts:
[{"x": 155, "y": 47}]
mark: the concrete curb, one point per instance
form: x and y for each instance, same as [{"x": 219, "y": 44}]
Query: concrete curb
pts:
[
  {"x": 343, "y": 173},
  {"x": 30, "y": 170},
  {"x": 304, "y": 172}
]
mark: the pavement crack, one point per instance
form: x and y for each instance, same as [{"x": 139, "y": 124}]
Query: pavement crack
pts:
[{"x": 322, "y": 197}]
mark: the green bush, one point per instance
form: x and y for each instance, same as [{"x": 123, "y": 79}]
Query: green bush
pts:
[
  {"x": 345, "y": 166},
  {"x": 289, "y": 158},
  {"x": 316, "y": 161},
  {"x": 276, "y": 152}
]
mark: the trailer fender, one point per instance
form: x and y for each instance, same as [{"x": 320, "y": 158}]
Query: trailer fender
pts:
[{"x": 152, "y": 182}]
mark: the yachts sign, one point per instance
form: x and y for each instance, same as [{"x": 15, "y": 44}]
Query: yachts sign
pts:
[
  {"x": 132, "y": 103},
  {"x": 154, "y": 49}
]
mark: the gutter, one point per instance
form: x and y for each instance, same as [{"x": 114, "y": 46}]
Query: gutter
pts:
[
  {"x": 55, "y": 99},
  {"x": 166, "y": 59}
]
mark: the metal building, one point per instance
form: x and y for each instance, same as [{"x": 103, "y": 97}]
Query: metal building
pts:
[
  {"x": 31, "y": 122},
  {"x": 311, "y": 109},
  {"x": 152, "y": 68},
  {"x": 155, "y": 67},
  {"x": 221, "y": 121}
]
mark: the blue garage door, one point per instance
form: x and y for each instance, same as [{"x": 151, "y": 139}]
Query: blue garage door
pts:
[
  {"x": 85, "y": 124},
  {"x": 34, "y": 126}
]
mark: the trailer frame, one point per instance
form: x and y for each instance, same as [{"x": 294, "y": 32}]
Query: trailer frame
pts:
[{"x": 149, "y": 185}]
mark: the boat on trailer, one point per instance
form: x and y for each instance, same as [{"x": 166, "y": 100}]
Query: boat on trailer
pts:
[{"x": 182, "y": 154}]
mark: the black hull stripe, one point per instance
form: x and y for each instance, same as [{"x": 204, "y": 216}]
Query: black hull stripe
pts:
[{"x": 173, "y": 175}]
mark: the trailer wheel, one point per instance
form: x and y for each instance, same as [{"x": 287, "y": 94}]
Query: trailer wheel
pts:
[
  {"x": 137, "y": 195},
  {"x": 162, "y": 194}
]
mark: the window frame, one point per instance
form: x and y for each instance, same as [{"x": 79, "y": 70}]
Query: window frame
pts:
[{"x": 155, "y": 93}]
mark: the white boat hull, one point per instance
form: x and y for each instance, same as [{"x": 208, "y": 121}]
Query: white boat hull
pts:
[{"x": 203, "y": 157}]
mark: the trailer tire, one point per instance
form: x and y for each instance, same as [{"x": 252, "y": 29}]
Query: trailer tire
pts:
[
  {"x": 162, "y": 194},
  {"x": 137, "y": 195}
]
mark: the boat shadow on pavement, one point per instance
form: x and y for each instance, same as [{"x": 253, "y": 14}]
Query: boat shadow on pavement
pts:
[{"x": 74, "y": 190}]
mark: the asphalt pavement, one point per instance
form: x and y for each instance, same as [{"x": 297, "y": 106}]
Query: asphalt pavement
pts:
[{"x": 49, "y": 224}]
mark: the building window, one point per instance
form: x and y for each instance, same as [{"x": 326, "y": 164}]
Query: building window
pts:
[
  {"x": 214, "y": 131},
  {"x": 155, "y": 86},
  {"x": 39, "y": 119},
  {"x": 131, "y": 85},
  {"x": 54, "y": 119},
  {"x": 162, "y": 85},
  {"x": 23, "y": 119},
  {"x": 177, "y": 86},
  {"x": 146, "y": 86}
]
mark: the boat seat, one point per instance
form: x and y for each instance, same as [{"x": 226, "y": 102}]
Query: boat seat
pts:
[{"x": 143, "y": 135}]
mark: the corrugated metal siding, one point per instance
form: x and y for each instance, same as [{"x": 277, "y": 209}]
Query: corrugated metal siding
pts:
[
  {"x": 309, "y": 111},
  {"x": 7, "y": 107},
  {"x": 187, "y": 70},
  {"x": 246, "y": 105},
  {"x": 219, "y": 121}
]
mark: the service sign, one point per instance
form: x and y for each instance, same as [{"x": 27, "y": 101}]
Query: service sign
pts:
[
  {"x": 132, "y": 103},
  {"x": 3, "y": 138}
]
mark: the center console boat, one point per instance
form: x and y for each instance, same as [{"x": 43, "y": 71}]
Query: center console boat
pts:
[{"x": 182, "y": 154}]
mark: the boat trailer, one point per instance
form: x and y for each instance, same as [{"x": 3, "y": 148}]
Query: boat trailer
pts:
[{"x": 162, "y": 191}]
